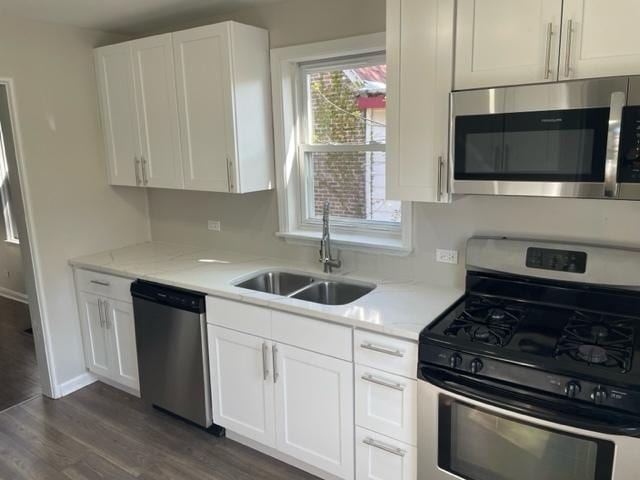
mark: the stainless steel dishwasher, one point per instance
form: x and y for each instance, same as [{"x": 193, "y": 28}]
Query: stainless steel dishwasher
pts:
[{"x": 173, "y": 360}]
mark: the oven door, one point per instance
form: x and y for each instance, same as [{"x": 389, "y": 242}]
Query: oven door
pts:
[
  {"x": 464, "y": 438},
  {"x": 555, "y": 140}
]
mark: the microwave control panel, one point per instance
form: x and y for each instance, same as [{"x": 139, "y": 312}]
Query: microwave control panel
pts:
[{"x": 629, "y": 166}]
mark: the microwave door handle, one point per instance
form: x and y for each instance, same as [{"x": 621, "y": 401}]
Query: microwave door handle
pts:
[{"x": 611, "y": 186}]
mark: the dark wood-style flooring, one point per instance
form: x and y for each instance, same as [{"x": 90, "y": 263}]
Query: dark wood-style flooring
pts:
[
  {"x": 102, "y": 433},
  {"x": 19, "y": 377}
]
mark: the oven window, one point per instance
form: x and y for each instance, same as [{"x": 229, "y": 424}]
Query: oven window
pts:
[
  {"x": 566, "y": 145},
  {"x": 479, "y": 445}
]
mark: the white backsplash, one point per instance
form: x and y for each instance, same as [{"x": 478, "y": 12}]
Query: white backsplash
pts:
[{"x": 249, "y": 223}]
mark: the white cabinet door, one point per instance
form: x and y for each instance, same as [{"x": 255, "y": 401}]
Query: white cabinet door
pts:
[
  {"x": 419, "y": 64},
  {"x": 122, "y": 338},
  {"x": 157, "y": 111},
  {"x": 205, "y": 105},
  {"x": 599, "y": 38},
  {"x": 96, "y": 340},
  {"x": 507, "y": 42},
  {"x": 114, "y": 70},
  {"x": 382, "y": 458},
  {"x": 242, "y": 384},
  {"x": 314, "y": 409}
]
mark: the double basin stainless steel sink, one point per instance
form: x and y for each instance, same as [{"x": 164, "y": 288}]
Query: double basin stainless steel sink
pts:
[{"x": 307, "y": 287}]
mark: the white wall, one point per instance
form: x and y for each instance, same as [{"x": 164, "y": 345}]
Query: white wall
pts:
[
  {"x": 73, "y": 211},
  {"x": 249, "y": 222}
]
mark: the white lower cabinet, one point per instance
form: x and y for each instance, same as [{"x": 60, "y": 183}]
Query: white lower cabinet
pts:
[
  {"x": 108, "y": 328},
  {"x": 298, "y": 402},
  {"x": 314, "y": 409},
  {"x": 383, "y": 458},
  {"x": 242, "y": 388}
]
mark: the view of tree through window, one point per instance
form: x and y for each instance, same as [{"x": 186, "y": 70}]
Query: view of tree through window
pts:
[{"x": 346, "y": 110}]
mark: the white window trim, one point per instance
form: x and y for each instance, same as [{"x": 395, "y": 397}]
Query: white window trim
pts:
[
  {"x": 5, "y": 196},
  {"x": 286, "y": 96}
]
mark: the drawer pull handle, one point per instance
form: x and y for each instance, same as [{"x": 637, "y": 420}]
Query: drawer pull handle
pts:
[
  {"x": 98, "y": 282},
  {"x": 383, "y": 446},
  {"x": 381, "y": 349},
  {"x": 370, "y": 378}
]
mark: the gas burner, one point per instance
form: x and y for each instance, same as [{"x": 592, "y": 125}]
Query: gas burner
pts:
[
  {"x": 486, "y": 320},
  {"x": 598, "y": 339}
]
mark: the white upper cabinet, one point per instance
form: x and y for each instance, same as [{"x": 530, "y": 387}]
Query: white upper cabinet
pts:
[
  {"x": 224, "y": 102},
  {"x": 189, "y": 110},
  {"x": 599, "y": 38},
  {"x": 114, "y": 68},
  {"x": 419, "y": 64},
  {"x": 507, "y": 42},
  {"x": 155, "y": 84}
]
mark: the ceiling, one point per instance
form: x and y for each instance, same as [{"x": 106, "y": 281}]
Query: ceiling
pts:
[{"x": 121, "y": 16}]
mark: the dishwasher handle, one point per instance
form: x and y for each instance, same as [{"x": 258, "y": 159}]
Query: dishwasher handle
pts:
[{"x": 170, "y": 296}]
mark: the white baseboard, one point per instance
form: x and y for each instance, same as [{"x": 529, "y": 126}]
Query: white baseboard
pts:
[
  {"x": 13, "y": 295},
  {"x": 272, "y": 452},
  {"x": 74, "y": 384}
]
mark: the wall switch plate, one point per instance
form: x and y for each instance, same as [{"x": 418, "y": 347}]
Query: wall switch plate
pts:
[
  {"x": 214, "y": 225},
  {"x": 447, "y": 256}
]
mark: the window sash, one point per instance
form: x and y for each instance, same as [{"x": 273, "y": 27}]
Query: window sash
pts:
[{"x": 5, "y": 195}]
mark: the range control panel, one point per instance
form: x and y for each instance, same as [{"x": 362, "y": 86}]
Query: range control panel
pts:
[
  {"x": 557, "y": 260},
  {"x": 629, "y": 166}
]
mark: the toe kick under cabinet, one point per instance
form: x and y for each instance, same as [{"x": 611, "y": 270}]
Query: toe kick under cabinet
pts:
[{"x": 289, "y": 383}]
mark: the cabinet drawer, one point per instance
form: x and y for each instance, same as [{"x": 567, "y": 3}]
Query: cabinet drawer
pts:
[
  {"x": 382, "y": 458},
  {"x": 386, "y": 403},
  {"x": 386, "y": 353},
  {"x": 105, "y": 285},
  {"x": 239, "y": 316},
  {"x": 315, "y": 335}
]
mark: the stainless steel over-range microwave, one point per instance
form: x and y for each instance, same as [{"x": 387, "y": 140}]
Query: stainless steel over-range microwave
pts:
[{"x": 567, "y": 139}]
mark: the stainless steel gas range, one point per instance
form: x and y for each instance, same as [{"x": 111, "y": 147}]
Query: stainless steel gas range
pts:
[{"x": 534, "y": 374}]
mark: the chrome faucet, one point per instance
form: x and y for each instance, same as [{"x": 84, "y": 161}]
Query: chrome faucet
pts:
[{"x": 328, "y": 263}]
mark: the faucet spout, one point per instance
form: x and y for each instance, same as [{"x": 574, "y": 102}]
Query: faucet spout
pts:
[{"x": 325, "y": 242}]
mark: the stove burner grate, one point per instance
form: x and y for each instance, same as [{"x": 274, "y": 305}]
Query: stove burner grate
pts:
[
  {"x": 485, "y": 320},
  {"x": 598, "y": 340}
]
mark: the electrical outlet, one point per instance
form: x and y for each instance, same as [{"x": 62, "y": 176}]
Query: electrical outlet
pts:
[
  {"x": 447, "y": 256},
  {"x": 214, "y": 225}
]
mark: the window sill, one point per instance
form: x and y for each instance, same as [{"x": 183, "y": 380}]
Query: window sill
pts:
[
  {"x": 12, "y": 242},
  {"x": 363, "y": 243}
]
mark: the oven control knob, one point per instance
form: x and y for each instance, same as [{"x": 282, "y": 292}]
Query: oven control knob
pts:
[
  {"x": 476, "y": 365},
  {"x": 572, "y": 389},
  {"x": 599, "y": 395},
  {"x": 455, "y": 360}
]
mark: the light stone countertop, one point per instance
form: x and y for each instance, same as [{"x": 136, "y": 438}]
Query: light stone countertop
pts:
[{"x": 401, "y": 309}]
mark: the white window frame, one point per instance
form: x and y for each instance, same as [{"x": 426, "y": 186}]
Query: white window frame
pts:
[
  {"x": 288, "y": 101},
  {"x": 5, "y": 196}
]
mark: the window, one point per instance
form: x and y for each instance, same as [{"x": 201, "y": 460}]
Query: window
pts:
[
  {"x": 332, "y": 131},
  {"x": 5, "y": 195}
]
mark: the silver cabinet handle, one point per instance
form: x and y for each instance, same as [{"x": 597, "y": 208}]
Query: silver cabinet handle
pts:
[
  {"x": 547, "y": 56},
  {"x": 440, "y": 167},
  {"x": 100, "y": 313},
  {"x": 378, "y": 381},
  {"x": 383, "y": 446},
  {"x": 136, "y": 168},
  {"x": 381, "y": 349},
  {"x": 101, "y": 283},
  {"x": 230, "y": 174},
  {"x": 274, "y": 351},
  {"x": 145, "y": 179},
  {"x": 265, "y": 352},
  {"x": 105, "y": 308},
  {"x": 567, "y": 57}
]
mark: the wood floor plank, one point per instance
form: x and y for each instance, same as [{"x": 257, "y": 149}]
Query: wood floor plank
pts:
[{"x": 102, "y": 433}]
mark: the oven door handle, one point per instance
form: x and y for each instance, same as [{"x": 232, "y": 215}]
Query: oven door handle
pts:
[{"x": 553, "y": 410}]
